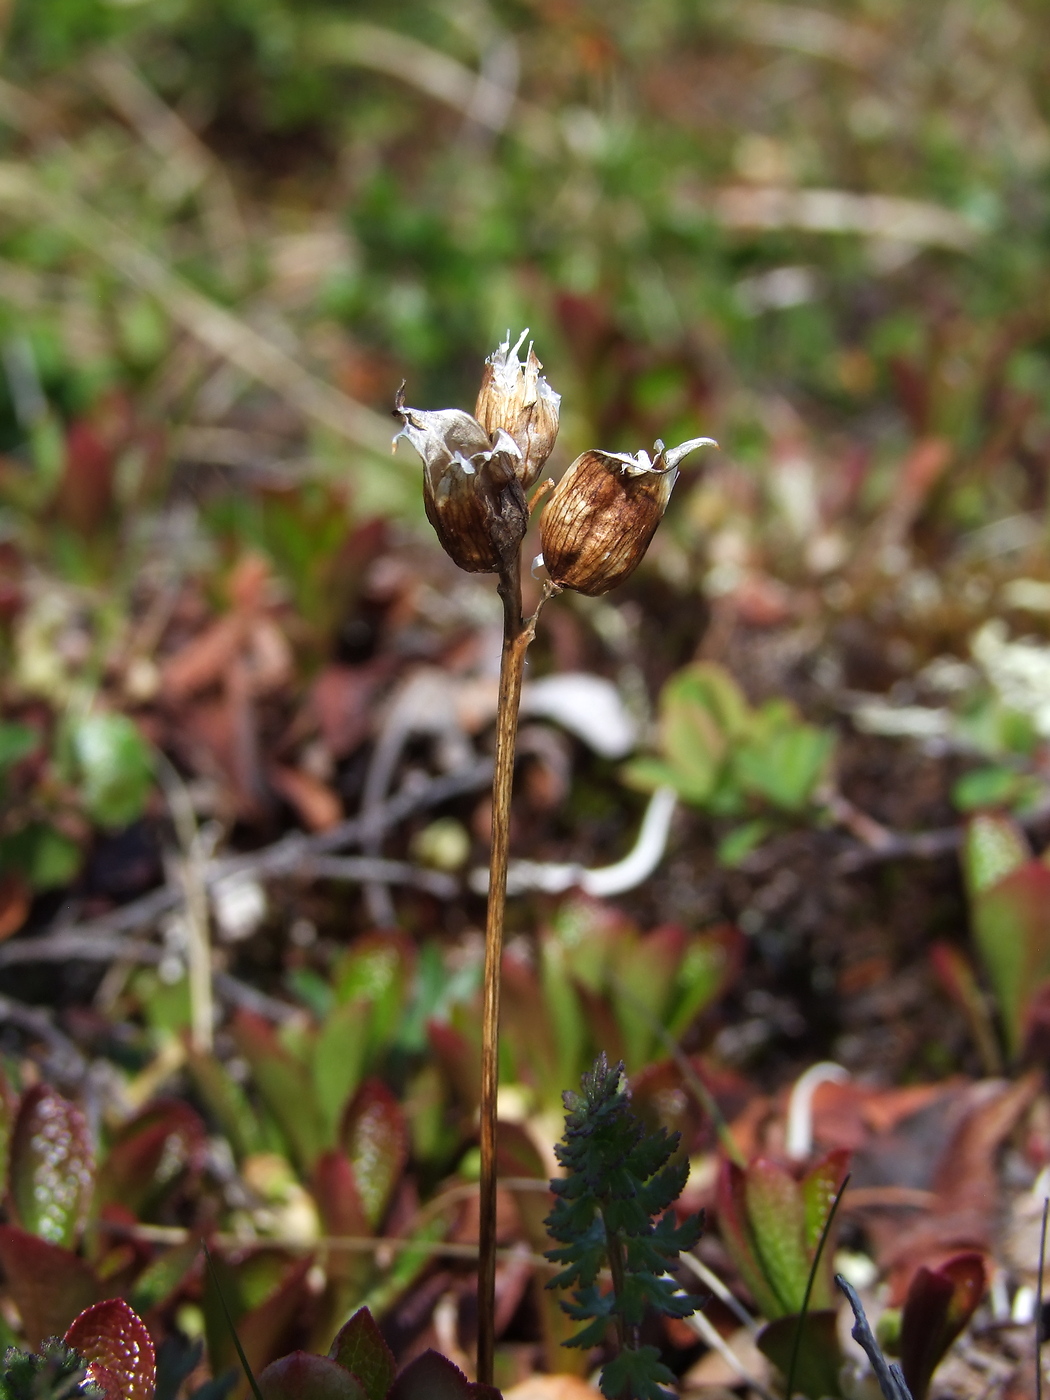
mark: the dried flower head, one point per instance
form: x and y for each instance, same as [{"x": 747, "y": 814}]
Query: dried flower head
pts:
[
  {"x": 471, "y": 487},
  {"x": 603, "y": 513},
  {"x": 515, "y": 397}
]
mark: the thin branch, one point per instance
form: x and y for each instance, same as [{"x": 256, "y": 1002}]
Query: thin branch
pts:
[{"x": 97, "y": 940}]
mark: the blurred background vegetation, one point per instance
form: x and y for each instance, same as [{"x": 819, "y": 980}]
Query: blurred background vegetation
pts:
[{"x": 228, "y": 230}]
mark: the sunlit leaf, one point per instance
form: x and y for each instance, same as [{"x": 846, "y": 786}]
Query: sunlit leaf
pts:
[{"x": 52, "y": 1166}]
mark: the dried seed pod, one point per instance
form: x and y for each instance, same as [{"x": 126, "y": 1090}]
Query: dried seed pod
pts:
[
  {"x": 601, "y": 516},
  {"x": 514, "y": 396},
  {"x": 471, "y": 490}
]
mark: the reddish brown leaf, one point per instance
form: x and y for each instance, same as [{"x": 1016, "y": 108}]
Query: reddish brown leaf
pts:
[
  {"x": 159, "y": 1148},
  {"x": 15, "y": 899},
  {"x": 939, "y": 1304},
  {"x": 374, "y": 1136},
  {"x": 433, "y": 1377},
  {"x": 316, "y": 804},
  {"x": 49, "y": 1284},
  {"x": 303, "y": 1376},
  {"x": 113, "y": 1339},
  {"x": 359, "y": 1348}
]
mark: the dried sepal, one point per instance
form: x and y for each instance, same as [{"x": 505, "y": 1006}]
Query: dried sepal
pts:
[
  {"x": 516, "y": 398},
  {"x": 603, "y": 513},
  {"x": 471, "y": 490}
]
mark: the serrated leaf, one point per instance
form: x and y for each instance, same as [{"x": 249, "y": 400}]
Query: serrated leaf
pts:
[
  {"x": 777, "y": 1219},
  {"x": 115, "y": 1342},
  {"x": 433, "y": 1377},
  {"x": 303, "y": 1376},
  {"x": 994, "y": 847},
  {"x": 359, "y": 1347},
  {"x": 114, "y": 767},
  {"x": 52, "y": 1168},
  {"x": 374, "y": 1137}
]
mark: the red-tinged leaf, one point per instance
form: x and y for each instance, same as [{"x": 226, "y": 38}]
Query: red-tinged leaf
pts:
[
  {"x": 284, "y": 1083},
  {"x": 49, "y": 1284},
  {"x": 820, "y": 1186},
  {"x": 375, "y": 1139},
  {"x": 711, "y": 963},
  {"x": 15, "y": 900},
  {"x": 340, "y": 1050},
  {"x": 338, "y": 1200},
  {"x": 777, "y": 1218},
  {"x": 939, "y": 1304},
  {"x": 1011, "y": 924},
  {"x": 735, "y": 1230},
  {"x": 303, "y": 1376},
  {"x": 957, "y": 976},
  {"x": 115, "y": 1342},
  {"x": 994, "y": 847},
  {"x": 160, "y": 1148},
  {"x": 433, "y": 1377},
  {"x": 359, "y": 1348},
  {"x": 589, "y": 931},
  {"x": 52, "y": 1166},
  {"x": 460, "y": 1061},
  {"x": 376, "y": 969},
  {"x": 819, "y": 1355}
]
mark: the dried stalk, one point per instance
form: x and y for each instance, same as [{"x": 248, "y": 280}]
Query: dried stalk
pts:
[{"x": 517, "y": 634}]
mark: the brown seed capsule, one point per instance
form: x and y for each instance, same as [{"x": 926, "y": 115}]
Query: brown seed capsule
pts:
[
  {"x": 471, "y": 491},
  {"x": 514, "y": 396},
  {"x": 601, "y": 516}
]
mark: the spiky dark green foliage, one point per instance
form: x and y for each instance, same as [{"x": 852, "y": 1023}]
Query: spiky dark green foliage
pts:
[
  {"x": 619, "y": 1177},
  {"x": 56, "y": 1372}
]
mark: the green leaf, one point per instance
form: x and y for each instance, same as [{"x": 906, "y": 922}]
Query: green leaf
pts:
[
  {"x": 1011, "y": 925},
  {"x": 777, "y": 1218},
  {"x": 284, "y": 1083},
  {"x": 737, "y": 845},
  {"x": 339, "y": 1055},
  {"x": 114, "y": 768},
  {"x": 52, "y": 1170},
  {"x": 988, "y": 787},
  {"x": 995, "y": 845},
  {"x": 819, "y": 1354},
  {"x": 786, "y": 766},
  {"x": 17, "y": 741},
  {"x": 359, "y": 1347},
  {"x": 42, "y": 855}
]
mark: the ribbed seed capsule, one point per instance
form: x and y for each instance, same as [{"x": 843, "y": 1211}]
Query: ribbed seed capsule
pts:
[
  {"x": 471, "y": 490},
  {"x": 514, "y": 396},
  {"x": 603, "y": 513}
]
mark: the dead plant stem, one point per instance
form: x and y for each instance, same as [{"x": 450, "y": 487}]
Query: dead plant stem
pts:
[{"x": 517, "y": 634}]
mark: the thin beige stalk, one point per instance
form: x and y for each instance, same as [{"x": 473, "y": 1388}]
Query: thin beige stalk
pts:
[{"x": 517, "y": 634}]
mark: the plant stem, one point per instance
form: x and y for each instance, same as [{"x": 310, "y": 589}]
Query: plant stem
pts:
[{"x": 517, "y": 634}]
